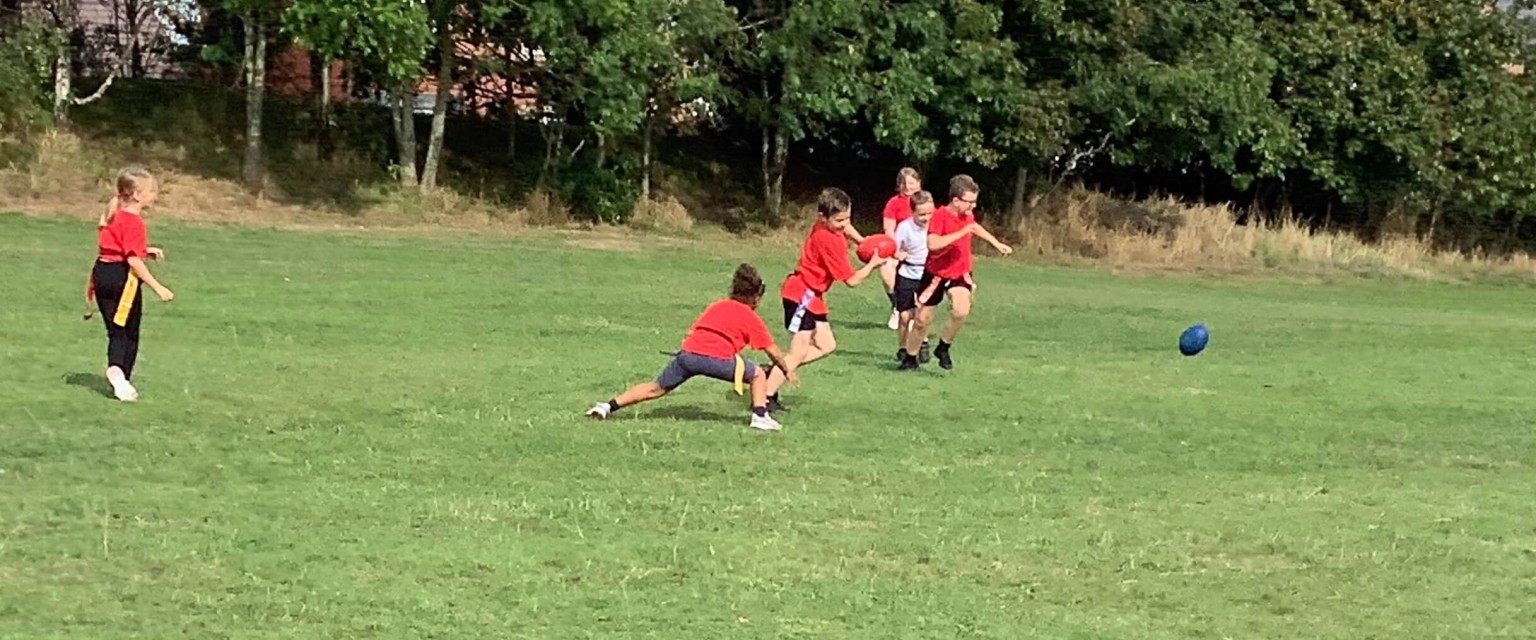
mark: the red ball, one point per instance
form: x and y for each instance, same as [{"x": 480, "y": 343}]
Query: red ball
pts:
[{"x": 876, "y": 245}]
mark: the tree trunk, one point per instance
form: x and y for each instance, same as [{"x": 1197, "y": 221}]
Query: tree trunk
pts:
[
  {"x": 326, "y": 144},
  {"x": 511, "y": 133},
  {"x": 1020, "y": 190},
  {"x": 135, "y": 53},
  {"x": 645, "y": 160},
  {"x": 775, "y": 157},
  {"x": 440, "y": 107},
  {"x": 62, "y": 92},
  {"x": 255, "y": 92},
  {"x": 405, "y": 133},
  {"x": 554, "y": 134}
]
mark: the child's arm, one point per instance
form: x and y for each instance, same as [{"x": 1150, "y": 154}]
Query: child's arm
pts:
[
  {"x": 142, "y": 271},
  {"x": 852, "y": 233},
  {"x": 864, "y": 272},
  {"x": 937, "y": 242},
  {"x": 90, "y": 291},
  {"x": 778, "y": 361},
  {"x": 987, "y": 235}
]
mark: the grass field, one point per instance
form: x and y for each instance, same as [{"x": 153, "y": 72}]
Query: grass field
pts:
[{"x": 380, "y": 435}]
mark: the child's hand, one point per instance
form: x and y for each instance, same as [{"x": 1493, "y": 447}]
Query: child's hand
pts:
[
  {"x": 791, "y": 378},
  {"x": 156, "y": 253},
  {"x": 900, "y": 255},
  {"x": 165, "y": 294},
  {"x": 1004, "y": 249}
]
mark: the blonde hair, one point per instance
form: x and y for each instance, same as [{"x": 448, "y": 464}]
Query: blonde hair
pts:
[
  {"x": 907, "y": 172},
  {"x": 129, "y": 180}
]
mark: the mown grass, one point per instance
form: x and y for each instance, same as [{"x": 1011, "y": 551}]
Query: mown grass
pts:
[{"x": 379, "y": 435}]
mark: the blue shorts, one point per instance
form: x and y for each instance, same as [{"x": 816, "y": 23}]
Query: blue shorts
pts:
[{"x": 687, "y": 365}]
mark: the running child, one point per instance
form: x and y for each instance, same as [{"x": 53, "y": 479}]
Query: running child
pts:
[
  {"x": 912, "y": 252},
  {"x": 712, "y": 348},
  {"x": 949, "y": 266},
  {"x": 897, "y": 210},
  {"x": 823, "y": 261},
  {"x": 120, "y": 270}
]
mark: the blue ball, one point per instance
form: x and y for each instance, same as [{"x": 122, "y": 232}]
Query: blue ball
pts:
[{"x": 1193, "y": 340}]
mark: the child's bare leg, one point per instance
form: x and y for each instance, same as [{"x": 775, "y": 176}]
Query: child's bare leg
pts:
[
  {"x": 759, "y": 390},
  {"x": 806, "y": 347},
  {"x": 888, "y": 276},
  {"x": 799, "y": 347},
  {"x": 922, "y": 321},
  {"x": 959, "y": 310},
  {"x": 643, "y": 392}
]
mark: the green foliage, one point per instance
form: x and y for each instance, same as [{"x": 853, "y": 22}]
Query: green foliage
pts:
[
  {"x": 1188, "y": 83},
  {"x": 1404, "y": 104},
  {"x": 390, "y": 37},
  {"x": 597, "y": 193},
  {"x": 26, "y": 74}
]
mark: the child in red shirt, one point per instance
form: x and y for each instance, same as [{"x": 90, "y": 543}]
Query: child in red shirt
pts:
[
  {"x": 712, "y": 349},
  {"x": 897, "y": 210},
  {"x": 949, "y": 265},
  {"x": 122, "y": 247},
  {"x": 823, "y": 261}
]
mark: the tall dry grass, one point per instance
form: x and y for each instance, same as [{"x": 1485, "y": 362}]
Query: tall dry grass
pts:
[{"x": 1166, "y": 234}]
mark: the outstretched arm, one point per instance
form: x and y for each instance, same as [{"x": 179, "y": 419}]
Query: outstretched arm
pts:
[
  {"x": 864, "y": 271},
  {"x": 778, "y": 361},
  {"x": 982, "y": 233}
]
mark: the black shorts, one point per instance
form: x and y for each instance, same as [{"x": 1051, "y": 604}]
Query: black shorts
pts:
[
  {"x": 808, "y": 320},
  {"x": 687, "y": 365},
  {"x": 933, "y": 288},
  {"x": 906, "y": 291}
]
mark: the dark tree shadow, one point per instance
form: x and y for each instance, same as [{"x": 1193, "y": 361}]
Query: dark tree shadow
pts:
[{"x": 90, "y": 381}]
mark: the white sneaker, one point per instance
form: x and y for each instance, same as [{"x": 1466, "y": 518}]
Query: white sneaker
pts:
[
  {"x": 598, "y": 411},
  {"x": 125, "y": 392},
  {"x": 895, "y": 322},
  {"x": 766, "y": 423}
]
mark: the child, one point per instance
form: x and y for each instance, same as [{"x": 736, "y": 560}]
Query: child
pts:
[
  {"x": 712, "y": 349},
  {"x": 897, "y": 210},
  {"x": 912, "y": 251},
  {"x": 118, "y": 272},
  {"x": 823, "y": 261},
  {"x": 949, "y": 265}
]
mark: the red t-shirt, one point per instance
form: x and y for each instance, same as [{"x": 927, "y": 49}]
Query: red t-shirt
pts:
[
  {"x": 724, "y": 328},
  {"x": 823, "y": 261},
  {"x": 953, "y": 261},
  {"x": 898, "y": 208},
  {"x": 124, "y": 237}
]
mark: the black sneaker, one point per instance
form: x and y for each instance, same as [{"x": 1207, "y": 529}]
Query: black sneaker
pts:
[
  {"x": 774, "y": 406},
  {"x": 901, "y": 355},
  {"x": 944, "y": 359},
  {"x": 924, "y": 354},
  {"x": 908, "y": 363}
]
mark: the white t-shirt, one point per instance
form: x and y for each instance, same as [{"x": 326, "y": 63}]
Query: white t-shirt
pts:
[{"x": 913, "y": 240}]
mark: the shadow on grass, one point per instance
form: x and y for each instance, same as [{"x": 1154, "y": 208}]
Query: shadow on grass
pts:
[{"x": 90, "y": 381}]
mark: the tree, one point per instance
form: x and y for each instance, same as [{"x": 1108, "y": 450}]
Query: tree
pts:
[
  {"x": 387, "y": 39},
  {"x": 802, "y": 71},
  {"x": 256, "y": 17}
]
